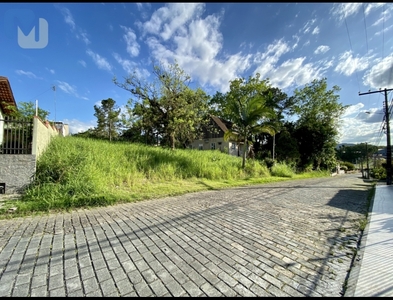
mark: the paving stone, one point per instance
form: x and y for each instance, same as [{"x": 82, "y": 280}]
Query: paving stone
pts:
[{"x": 266, "y": 240}]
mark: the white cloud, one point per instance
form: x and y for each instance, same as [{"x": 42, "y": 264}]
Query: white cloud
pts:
[
  {"x": 348, "y": 64},
  {"x": 171, "y": 18},
  {"x": 381, "y": 74},
  {"x": 353, "y": 109},
  {"x": 82, "y": 62},
  {"x": 266, "y": 61},
  {"x": 322, "y": 49},
  {"x": 130, "y": 39},
  {"x": 69, "y": 19},
  {"x": 353, "y": 130},
  {"x": 195, "y": 44},
  {"x": 343, "y": 10},
  {"x": 307, "y": 27},
  {"x": 358, "y": 126},
  {"x": 371, "y": 6},
  {"x": 297, "y": 41},
  {"x": 83, "y": 36},
  {"x": 384, "y": 30},
  {"x": 76, "y": 126},
  {"x": 28, "y": 74},
  {"x": 51, "y": 71},
  {"x": 130, "y": 66},
  {"x": 293, "y": 73},
  {"x": 100, "y": 61},
  {"x": 315, "y": 31},
  {"x": 69, "y": 89}
]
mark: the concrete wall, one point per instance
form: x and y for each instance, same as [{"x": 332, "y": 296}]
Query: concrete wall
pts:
[
  {"x": 1, "y": 126},
  {"x": 42, "y": 134},
  {"x": 17, "y": 171}
]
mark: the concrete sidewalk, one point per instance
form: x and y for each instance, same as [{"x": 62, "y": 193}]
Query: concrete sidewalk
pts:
[{"x": 372, "y": 272}]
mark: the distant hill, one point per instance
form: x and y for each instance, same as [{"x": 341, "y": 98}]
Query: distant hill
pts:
[{"x": 344, "y": 144}]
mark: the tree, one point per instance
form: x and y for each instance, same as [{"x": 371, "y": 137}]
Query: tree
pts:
[
  {"x": 248, "y": 110},
  {"x": 27, "y": 110},
  {"x": 317, "y": 127},
  {"x": 167, "y": 107},
  {"x": 107, "y": 119}
]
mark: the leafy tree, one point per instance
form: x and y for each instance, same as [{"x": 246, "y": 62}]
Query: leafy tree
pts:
[
  {"x": 280, "y": 102},
  {"x": 107, "y": 119},
  {"x": 319, "y": 111},
  {"x": 27, "y": 110},
  {"x": 247, "y": 108},
  {"x": 355, "y": 153},
  {"x": 286, "y": 148},
  {"x": 167, "y": 107}
]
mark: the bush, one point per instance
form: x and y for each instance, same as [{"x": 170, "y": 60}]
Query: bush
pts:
[
  {"x": 378, "y": 173},
  {"x": 269, "y": 162},
  {"x": 282, "y": 170},
  {"x": 349, "y": 166}
]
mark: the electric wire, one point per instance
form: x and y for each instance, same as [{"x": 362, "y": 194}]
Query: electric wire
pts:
[{"x": 350, "y": 44}]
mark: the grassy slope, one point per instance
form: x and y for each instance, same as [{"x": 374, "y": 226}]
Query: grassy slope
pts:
[{"x": 76, "y": 172}]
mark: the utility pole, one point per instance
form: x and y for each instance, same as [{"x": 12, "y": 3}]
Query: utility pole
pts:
[
  {"x": 388, "y": 146},
  {"x": 368, "y": 167}
]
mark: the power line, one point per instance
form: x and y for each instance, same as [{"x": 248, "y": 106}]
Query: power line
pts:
[
  {"x": 40, "y": 94},
  {"x": 365, "y": 27},
  {"x": 350, "y": 44},
  {"x": 388, "y": 143},
  {"x": 383, "y": 36}
]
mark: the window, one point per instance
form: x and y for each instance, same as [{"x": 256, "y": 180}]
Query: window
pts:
[
  {"x": 200, "y": 147},
  {"x": 233, "y": 146},
  {"x": 213, "y": 146}
]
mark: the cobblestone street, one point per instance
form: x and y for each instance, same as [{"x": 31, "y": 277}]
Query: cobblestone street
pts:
[{"x": 294, "y": 238}]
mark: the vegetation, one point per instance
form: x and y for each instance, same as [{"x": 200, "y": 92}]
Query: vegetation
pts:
[
  {"x": 248, "y": 110},
  {"x": 80, "y": 172},
  {"x": 107, "y": 119},
  {"x": 166, "y": 108},
  {"x": 27, "y": 110},
  {"x": 141, "y": 153},
  {"x": 347, "y": 166},
  {"x": 316, "y": 130}
]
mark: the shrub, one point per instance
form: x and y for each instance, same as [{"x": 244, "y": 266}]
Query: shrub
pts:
[
  {"x": 378, "y": 173},
  {"x": 349, "y": 166},
  {"x": 282, "y": 170}
]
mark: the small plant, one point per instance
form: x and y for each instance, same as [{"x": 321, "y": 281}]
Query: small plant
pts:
[{"x": 282, "y": 170}]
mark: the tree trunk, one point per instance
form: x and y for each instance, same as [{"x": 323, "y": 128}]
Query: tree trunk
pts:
[
  {"x": 172, "y": 140},
  {"x": 244, "y": 152}
]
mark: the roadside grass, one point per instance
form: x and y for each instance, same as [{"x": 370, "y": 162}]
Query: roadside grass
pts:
[{"x": 76, "y": 172}]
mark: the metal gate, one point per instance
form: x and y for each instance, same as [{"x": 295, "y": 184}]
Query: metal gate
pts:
[{"x": 16, "y": 135}]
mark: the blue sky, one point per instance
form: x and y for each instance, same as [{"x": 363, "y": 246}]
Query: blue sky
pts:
[{"x": 291, "y": 44}]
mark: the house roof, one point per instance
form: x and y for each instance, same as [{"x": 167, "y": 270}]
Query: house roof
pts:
[
  {"x": 6, "y": 95},
  {"x": 223, "y": 124}
]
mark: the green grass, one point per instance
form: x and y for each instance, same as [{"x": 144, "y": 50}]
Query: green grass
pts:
[{"x": 76, "y": 172}]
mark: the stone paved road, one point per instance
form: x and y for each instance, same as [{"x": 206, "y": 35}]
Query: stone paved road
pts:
[{"x": 292, "y": 238}]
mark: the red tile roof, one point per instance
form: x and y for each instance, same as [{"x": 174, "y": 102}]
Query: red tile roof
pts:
[{"x": 6, "y": 95}]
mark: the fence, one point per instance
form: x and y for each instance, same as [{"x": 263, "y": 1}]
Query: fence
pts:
[{"x": 16, "y": 135}]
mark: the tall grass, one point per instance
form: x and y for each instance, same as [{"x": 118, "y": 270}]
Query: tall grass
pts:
[
  {"x": 77, "y": 172},
  {"x": 282, "y": 170}
]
